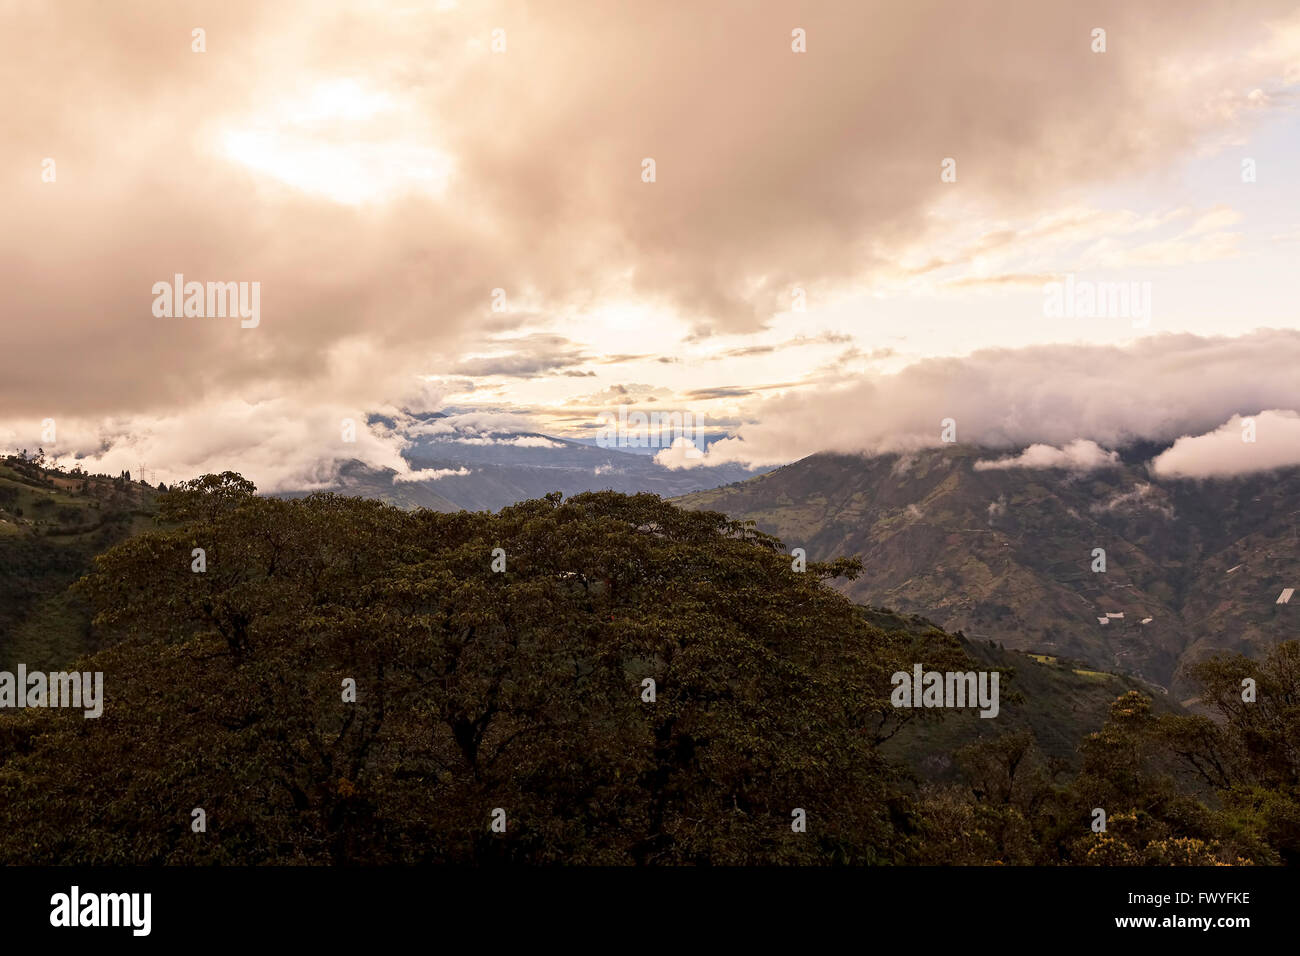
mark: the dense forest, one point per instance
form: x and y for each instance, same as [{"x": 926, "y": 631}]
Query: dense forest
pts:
[{"x": 606, "y": 679}]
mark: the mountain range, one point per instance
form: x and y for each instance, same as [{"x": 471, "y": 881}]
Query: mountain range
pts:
[
  {"x": 486, "y": 468},
  {"x": 1009, "y": 553},
  {"x": 1004, "y": 554}
]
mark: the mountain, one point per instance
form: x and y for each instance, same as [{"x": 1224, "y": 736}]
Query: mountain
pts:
[
  {"x": 357, "y": 479},
  {"x": 1007, "y": 553},
  {"x": 485, "y": 469},
  {"x": 1056, "y": 701},
  {"x": 52, "y": 524}
]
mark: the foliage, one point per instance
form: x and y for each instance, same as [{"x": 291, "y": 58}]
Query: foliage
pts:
[
  {"x": 524, "y": 689},
  {"x": 476, "y": 689}
]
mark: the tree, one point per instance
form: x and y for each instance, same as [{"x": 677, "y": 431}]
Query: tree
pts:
[
  {"x": 522, "y": 689},
  {"x": 1248, "y": 755}
]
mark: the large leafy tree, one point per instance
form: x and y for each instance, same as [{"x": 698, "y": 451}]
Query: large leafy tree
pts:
[
  {"x": 476, "y": 688},
  {"x": 1245, "y": 749}
]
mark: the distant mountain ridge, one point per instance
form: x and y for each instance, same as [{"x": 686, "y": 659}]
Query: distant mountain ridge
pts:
[
  {"x": 479, "y": 469},
  {"x": 1007, "y": 554}
]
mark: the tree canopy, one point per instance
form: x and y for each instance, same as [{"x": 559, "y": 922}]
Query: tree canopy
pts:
[
  {"x": 521, "y": 688},
  {"x": 606, "y": 679}
]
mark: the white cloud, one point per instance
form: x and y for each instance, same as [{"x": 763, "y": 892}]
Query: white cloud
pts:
[
  {"x": 682, "y": 453},
  {"x": 1143, "y": 496},
  {"x": 432, "y": 474},
  {"x": 280, "y": 444},
  {"x": 1222, "y": 452},
  {"x": 467, "y": 426},
  {"x": 997, "y": 509},
  {"x": 531, "y": 441},
  {"x": 1158, "y": 388},
  {"x": 1079, "y": 455}
]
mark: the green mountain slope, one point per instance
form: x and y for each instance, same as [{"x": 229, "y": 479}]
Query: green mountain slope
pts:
[
  {"x": 1006, "y": 554},
  {"x": 1056, "y": 700},
  {"x": 52, "y": 524}
]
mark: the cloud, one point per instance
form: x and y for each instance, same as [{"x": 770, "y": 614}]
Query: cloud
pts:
[
  {"x": 682, "y": 453},
  {"x": 722, "y": 391},
  {"x": 825, "y": 338},
  {"x": 1058, "y": 406},
  {"x": 527, "y": 357},
  {"x": 997, "y": 509},
  {"x": 530, "y": 441},
  {"x": 1077, "y": 238},
  {"x": 614, "y": 395},
  {"x": 1143, "y": 496},
  {"x": 464, "y": 426},
  {"x": 382, "y": 171},
  {"x": 478, "y": 178},
  {"x": 1223, "y": 453},
  {"x": 1157, "y": 389},
  {"x": 280, "y": 444},
  {"x": 1079, "y": 455},
  {"x": 432, "y": 474}
]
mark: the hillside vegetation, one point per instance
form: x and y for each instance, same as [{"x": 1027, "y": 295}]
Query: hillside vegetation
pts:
[
  {"x": 1007, "y": 554},
  {"x": 635, "y": 684},
  {"x": 52, "y": 524},
  {"x": 1057, "y": 702}
]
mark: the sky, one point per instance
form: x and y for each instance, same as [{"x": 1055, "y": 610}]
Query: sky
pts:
[{"x": 855, "y": 217}]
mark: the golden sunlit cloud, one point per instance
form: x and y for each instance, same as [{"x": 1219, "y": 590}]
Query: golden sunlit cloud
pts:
[{"x": 313, "y": 143}]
